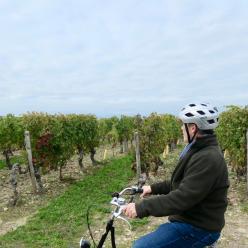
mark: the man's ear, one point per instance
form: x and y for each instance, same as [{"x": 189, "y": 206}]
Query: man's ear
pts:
[{"x": 194, "y": 128}]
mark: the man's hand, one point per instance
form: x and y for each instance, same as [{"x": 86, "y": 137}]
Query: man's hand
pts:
[
  {"x": 146, "y": 191},
  {"x": 130, "y": 210}
]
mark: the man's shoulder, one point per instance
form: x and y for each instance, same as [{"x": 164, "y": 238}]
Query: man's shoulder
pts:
[
  {"x": 210, "y": 155},
  {"x": 207, "y": 151}
]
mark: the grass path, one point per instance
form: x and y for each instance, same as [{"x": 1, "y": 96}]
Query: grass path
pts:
[{"x": 62, "y": 222}]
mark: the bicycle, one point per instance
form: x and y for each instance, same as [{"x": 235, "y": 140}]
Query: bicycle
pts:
[{"x": 120, "y": 203}]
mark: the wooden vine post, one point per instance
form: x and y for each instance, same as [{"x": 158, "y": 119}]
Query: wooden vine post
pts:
[
  {"x": 105, "y": 154},
  {"x": 30, "y": 162},
  {"x": 125, "y": 145},
  {"x": 13, "y": 181},
  {"x": 137, "y": 149}
]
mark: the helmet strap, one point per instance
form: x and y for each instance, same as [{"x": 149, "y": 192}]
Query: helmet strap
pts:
[{"x": 188, "y": 136}]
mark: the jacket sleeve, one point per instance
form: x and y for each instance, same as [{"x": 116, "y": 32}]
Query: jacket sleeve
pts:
[
  {"x": 161, "y": 188},
  {"x": 199, "y": 177}
]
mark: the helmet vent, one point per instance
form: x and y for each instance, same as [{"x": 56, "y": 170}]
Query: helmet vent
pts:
[
  {"x": 192, "y": 105},
  {"x": 215, "y": 109},
  {"x": 211, "y": 111},
  {"x": 204, "y": 104},
  {"x": 211, "y": 121},
  {"x": 189, "y": 115},
  {"x": 201, "y": 112}
]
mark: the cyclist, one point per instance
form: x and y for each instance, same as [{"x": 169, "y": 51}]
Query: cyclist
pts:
[{"x": 195, "y": 199}]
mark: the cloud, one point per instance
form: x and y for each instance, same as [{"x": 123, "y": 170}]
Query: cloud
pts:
[{"x": 105, "y": 57}]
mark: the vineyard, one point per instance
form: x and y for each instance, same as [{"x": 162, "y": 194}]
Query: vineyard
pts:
[{"x": 72, "y": 150}]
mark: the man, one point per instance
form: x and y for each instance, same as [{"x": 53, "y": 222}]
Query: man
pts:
[{"x": 195, "y": 199}]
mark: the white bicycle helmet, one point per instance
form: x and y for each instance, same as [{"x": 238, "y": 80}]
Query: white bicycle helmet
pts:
[{"x": 204, "y": 115}]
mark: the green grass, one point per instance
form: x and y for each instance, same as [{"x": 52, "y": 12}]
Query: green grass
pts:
[
  {"x": 15, "y": 159},
  {"x": 63, "y": 221},
  {"x": 2, "y": 164}
]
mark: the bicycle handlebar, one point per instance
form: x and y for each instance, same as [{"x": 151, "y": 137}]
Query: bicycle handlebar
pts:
[{"x": 120, "y": 202}]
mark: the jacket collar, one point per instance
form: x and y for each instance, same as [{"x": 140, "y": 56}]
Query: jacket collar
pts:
[{"x": 204, "y": 141}]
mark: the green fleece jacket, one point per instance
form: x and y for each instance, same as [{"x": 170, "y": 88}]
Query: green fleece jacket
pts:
[{"x": 197, "y": 191}]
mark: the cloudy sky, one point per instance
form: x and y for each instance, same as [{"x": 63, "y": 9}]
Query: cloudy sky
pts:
[{"x": 112, "y": 57}]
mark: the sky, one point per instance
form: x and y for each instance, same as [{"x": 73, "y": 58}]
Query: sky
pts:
[{"x": 114, "y": 57}]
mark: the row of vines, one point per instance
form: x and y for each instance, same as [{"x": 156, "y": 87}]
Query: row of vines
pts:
[
  {"x": 231, "y": 132},
  {"x": 55, "y": 139}
]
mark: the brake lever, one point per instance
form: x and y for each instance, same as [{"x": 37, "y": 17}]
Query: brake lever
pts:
[
  {"x": 117, "y": 214},
  {"x": 122, "y": 218}
]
